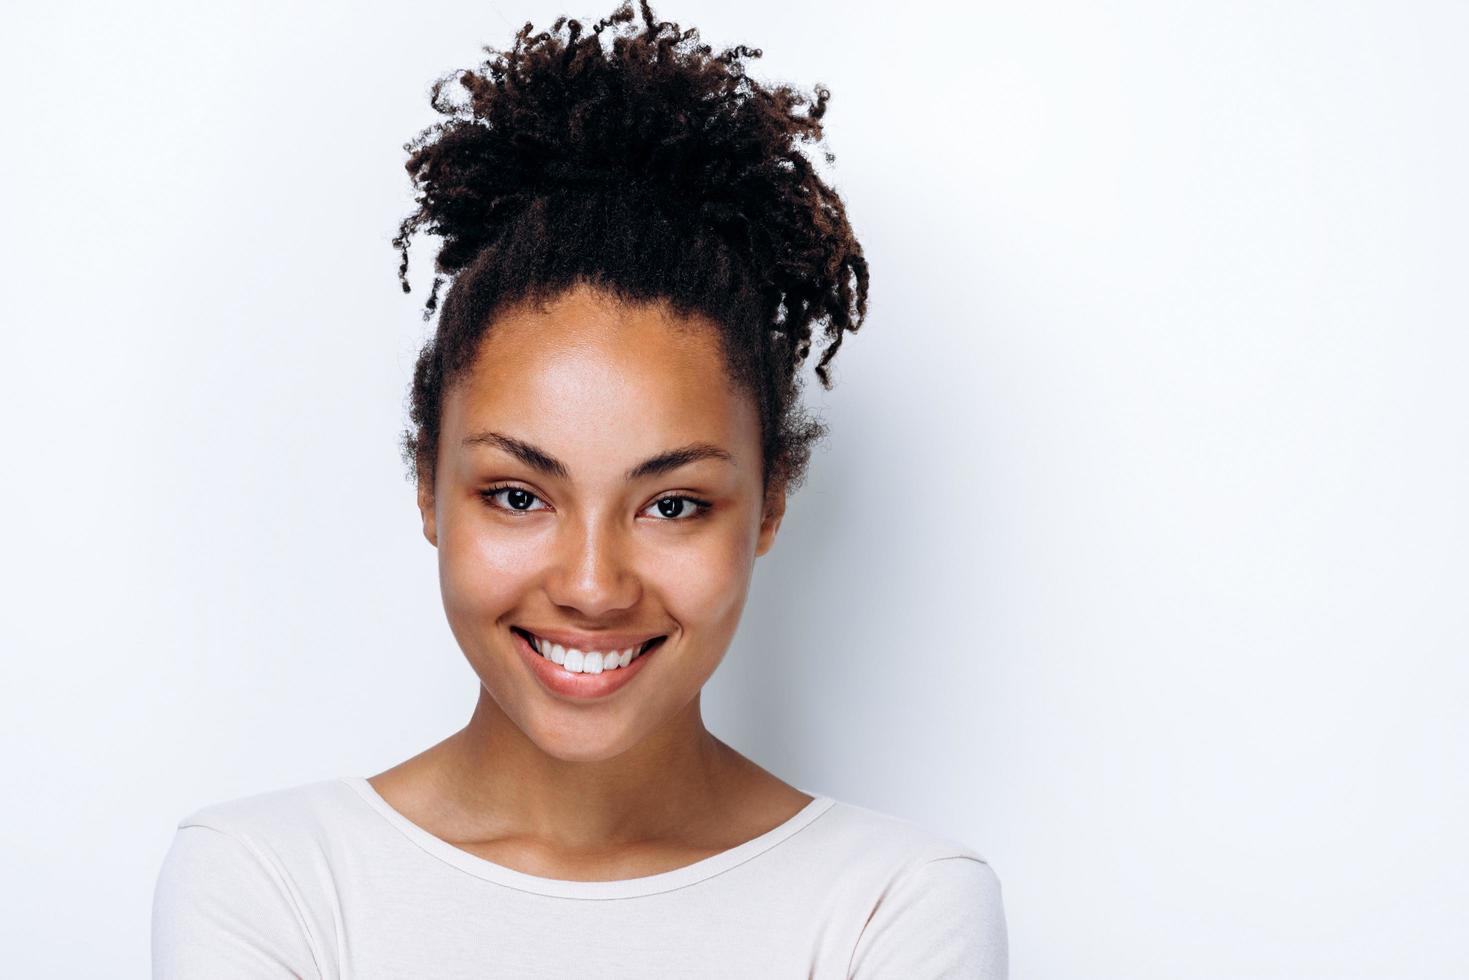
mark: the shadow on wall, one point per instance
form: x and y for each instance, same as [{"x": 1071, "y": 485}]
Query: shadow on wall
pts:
[{"x": 779, "y": 679}]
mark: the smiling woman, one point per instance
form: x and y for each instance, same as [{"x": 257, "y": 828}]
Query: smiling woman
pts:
[
  {"x": 606, "y": 429},
  {"x": 598, "y": 491}
]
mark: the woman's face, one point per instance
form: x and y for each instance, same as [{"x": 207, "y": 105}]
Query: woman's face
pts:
[{"x": 599, "y": 486}]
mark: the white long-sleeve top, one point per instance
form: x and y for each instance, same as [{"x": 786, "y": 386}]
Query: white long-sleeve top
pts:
[{"x": 327, "y": 880}]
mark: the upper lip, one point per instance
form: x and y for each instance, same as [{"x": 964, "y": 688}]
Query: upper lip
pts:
[{"x": 604, "y": 642}]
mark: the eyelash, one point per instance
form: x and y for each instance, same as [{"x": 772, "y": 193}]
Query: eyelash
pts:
[{"x": 489, "y": 493}]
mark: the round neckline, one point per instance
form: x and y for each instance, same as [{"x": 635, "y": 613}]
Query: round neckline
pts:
[{"x": 653, "y": 884}]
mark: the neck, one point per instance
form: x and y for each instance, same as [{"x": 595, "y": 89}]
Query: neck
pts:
[{"x": 674, "y": 778}]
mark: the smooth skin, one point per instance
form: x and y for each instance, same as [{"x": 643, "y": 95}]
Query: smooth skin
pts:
[{"x": 632, "y": 784}]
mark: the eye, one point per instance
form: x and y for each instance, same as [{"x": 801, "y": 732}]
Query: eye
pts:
[
  {"x": 516, "y": 499},
  {"x": 677, "y": 508}
]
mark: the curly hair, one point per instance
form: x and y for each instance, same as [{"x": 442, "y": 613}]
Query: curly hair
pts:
[{"x": 654, "y": 170}]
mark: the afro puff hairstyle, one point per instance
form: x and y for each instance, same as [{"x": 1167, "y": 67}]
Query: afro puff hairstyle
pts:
[{"x": 634, "y": 159}]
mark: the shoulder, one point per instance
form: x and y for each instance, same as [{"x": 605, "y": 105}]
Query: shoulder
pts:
[
  {"x": 281, "y": 813},
  {"x": 297, "y": 834},
  {"x": 933, "y": 903},
  {"x": 228, "y": 898},
  {"x": 890, "y": 839}
]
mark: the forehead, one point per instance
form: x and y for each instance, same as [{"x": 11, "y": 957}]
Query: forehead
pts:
[{"x": 599, "y": 382}]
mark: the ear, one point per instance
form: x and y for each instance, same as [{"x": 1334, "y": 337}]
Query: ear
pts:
[
  {"x": 426, "y": 508},
  {"x": 775, "y": 509}
]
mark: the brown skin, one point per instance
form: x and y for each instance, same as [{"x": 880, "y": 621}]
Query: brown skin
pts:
[{"x": 632, "y": 784}]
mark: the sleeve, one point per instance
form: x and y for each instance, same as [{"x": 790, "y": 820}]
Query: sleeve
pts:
[
  {"x": 944, "y": 918},
  {"x": 221, "y": 912}
]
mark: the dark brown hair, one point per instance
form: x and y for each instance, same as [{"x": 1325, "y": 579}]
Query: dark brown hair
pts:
[{"x": 637, "y": 161}]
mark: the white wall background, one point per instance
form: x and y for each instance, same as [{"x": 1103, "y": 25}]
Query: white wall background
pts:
[{"x": 1138, "y": 556}]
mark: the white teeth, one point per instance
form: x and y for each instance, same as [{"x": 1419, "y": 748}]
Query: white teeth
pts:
[{"x": 579, "y": 662}]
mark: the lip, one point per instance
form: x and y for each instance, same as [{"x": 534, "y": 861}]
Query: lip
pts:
[{"x": 578, "y": 687}]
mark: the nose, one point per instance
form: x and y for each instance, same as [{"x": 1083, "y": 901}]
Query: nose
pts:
[{"x": 591, "y": 572}]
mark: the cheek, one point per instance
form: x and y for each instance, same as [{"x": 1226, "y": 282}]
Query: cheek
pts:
[
  {"x": 702, "y": 584},
  {"x": 482, "y": 574}
]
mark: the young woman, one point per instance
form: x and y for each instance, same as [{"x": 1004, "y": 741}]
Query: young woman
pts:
[{"x": 606, "y": 426}]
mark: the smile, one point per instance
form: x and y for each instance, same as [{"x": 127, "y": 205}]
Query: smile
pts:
[{"x": 577, "y": 661}]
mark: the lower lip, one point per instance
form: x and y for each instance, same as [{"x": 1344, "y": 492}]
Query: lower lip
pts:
[{"x": 581, "y": 687}]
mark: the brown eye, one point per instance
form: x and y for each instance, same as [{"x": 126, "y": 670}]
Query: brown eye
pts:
[
  {"x": 677, "y": 508},
  {"x": 515, "y": 499}
]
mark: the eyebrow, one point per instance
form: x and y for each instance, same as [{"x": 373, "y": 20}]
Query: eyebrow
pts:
[{"x": 544, "y": 462}]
